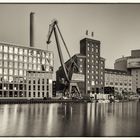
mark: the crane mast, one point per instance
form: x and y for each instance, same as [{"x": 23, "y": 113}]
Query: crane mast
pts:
[{"x": 53, "y": 28}]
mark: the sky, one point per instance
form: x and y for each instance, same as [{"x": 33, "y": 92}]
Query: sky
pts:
[{"x": 117, "y": 26}]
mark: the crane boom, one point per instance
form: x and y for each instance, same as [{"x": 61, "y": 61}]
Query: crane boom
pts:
[
  {"x": 53, "y": 29},
  {"x": 71, "y": 86}
]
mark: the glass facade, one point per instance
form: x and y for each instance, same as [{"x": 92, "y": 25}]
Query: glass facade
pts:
[{"x": 15, "y": 62}]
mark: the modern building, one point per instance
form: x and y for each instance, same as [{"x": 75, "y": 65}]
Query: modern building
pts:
[
  {"x": 120, "y": 81},
  {"x": 16, "y": 64},
  {"x": 90, "y": 64},
  {"x": 131, "y": 64}
]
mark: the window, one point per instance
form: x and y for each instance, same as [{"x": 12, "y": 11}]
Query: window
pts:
[
  {"x": 20, "y": 58},
  {"x": 30, "y": 59},
  {"x": 96, "y": 72},
  {"x": 10, "y": 57},
  {"x": 11, "y": 71},
  {"x": 1, "y": 48},
  {"x": 5, "y": 49},
  {"x": 47, "y": 81},
  {"x": 38, "y": 87},
  {"x": 96, "y": 50},
  {"x": 1, "y": 56},
  {"x": 34, "y": 66},
  {"x": 34, "y": 87},
  {"x": 0, "y": 63},
  {"x": 25, "y": 52},
  {"x": 30, "y": 66},
  {"x": 20, "y": 65},
  {"x": 10, "y": 49},
  {"x": 34, "y": 94},
  {"x": 29, "y": 94},
  {"x": 5, "y": 71},
  {"x": 111, "y": 83},
  {"x": 88, "y": 66},
  {"x": 5, "y": 63},
  {"x": 16, "y": 65},
  {"x": 5, "y": 56},
  {"x": 116, "y": 83},
  {"x": 16, "y": 72},
  {"x": 81, "y": 60},
  {"x": 16, "y": 50},
  {"x": 38, "y": 94},
  {"x": 20, "y": 51},
  {"x": 25, "y": 66},
  {"x": 42, "y": 94},
  {"x": 34, "y": 60},
  {"x": 47, "y": 87},
  {"x": 16, "y": 58},
  {"x": 1, "y": 71},
  {"x": 87, "y": 60},
  {"x": 88, "y": 48},
  {"x": 21, "y": 72}
]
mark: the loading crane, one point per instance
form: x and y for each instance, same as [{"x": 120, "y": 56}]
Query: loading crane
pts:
[{"x": 71, "y": 87}]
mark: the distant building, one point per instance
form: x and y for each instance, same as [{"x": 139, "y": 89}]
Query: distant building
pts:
[
  {"x": 90, "y": 64},
  {"x": 120, "y": 81},
  {"x": 131, "y": 64},
  {"x": 15, "y": 64}
]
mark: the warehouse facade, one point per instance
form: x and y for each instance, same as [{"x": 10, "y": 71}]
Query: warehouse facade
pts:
[
  {"x": 120, "y": 81},
  {"x": 90, "y": 64},
  {"x": 15, "y": 64}
]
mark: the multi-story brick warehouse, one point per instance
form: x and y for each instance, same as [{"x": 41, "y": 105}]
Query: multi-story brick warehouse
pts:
[
  {"x": 15, "y": 64},
  {"x": 94, "y": 65},
  {"x": 90, "y": 64},
  {"x": 121, "y": 81}
]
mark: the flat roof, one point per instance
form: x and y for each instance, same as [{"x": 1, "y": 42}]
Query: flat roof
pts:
[{"x": 28, "y": 47}]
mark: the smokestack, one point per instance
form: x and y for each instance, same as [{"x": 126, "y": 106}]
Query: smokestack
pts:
[{"x": 32, "y": 29}]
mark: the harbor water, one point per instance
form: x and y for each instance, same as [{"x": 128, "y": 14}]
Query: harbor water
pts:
[{"x": 70, "y": 119}]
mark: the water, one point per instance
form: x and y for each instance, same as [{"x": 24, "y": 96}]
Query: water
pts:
[{"x": 83, "y": 119}]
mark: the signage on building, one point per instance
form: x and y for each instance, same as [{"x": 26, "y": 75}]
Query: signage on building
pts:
[
  {"x": 78, "y": 77},
  {"x": 133, "y": 63}
]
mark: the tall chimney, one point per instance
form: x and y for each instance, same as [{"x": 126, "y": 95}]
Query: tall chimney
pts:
[{"x": 32, "y": 29}]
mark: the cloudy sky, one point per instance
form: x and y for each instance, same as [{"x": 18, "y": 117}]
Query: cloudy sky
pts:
[{"x": 117, "y": 26}]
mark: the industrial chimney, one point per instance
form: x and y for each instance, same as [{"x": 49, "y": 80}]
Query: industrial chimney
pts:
[{"x": 32, "y": 29}]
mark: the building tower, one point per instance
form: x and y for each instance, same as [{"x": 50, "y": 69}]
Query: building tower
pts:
[{"x": 94, "y": 66}]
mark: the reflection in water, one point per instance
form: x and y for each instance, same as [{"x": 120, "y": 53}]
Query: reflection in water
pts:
[{"x": 69, "y": 119}]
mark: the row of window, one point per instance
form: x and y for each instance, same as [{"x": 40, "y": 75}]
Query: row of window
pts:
[
  {"x": 26, "y": 59},
  {"x": 125, "y": 84},
  {"x": 23, "y": 94},
  {"x": 123, "y": 89},
  {"x": 21, "y": 51},
  {"x": 94, "y": 82},
  {"x": 34, "y": 87},
  {"x": 24, "y": 66}
]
